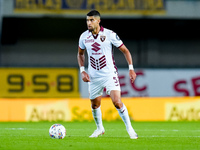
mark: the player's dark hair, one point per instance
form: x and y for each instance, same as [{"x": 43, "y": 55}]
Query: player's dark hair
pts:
[{"x": 93, "y": 13}]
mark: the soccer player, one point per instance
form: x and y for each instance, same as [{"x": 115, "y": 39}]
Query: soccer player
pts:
[{"x": 102, "y": 72}]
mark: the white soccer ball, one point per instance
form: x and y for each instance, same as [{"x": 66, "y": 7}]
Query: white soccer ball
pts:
[{"x": 57, "y": 131}]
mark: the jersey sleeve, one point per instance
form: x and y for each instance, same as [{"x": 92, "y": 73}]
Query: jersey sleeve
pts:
[
  {"x": 115, "y": 40},
  {"x": 81, "y": 43}
]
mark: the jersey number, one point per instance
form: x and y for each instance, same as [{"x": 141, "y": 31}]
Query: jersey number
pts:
[{"x": 116, "y": 81}]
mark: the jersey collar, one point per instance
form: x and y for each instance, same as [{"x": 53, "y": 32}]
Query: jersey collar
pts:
[
  {"x": 101, "y": 29},
  {"x": 100, "y": 32}
]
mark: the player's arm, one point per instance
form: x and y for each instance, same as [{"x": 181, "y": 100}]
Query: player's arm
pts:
[
  {"x": 128, "y": 57},
  {"x": 81, "y": 60}
]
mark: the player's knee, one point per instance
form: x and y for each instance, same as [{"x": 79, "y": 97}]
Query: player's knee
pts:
[
  {"x": 95, "y": 106},
  {"x": 118, "y": 104}
]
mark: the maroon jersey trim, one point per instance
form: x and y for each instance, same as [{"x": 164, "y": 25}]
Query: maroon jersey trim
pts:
[
  {"x": 121, "y": 45},
  {"x": 81, "y": 48},
  {"x": 101, "y": 29}
]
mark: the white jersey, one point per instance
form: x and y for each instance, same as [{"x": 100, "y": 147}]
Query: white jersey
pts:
[{"x": 100, "y": 51}]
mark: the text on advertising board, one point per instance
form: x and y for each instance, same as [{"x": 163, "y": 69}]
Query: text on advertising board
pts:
[{"x": 39, "y": 82}]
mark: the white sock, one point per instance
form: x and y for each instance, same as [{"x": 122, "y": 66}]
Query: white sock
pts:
[
  {"x": 97, "y": 117},
  {"x": 123, "y": 112}
]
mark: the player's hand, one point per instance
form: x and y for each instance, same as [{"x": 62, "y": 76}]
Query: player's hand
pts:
[
  {"x": 85, "y": 77},
  {"x": 132, "y": 75}
]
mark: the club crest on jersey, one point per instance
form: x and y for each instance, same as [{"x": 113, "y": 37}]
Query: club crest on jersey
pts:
[{"x": 102, "y": 38}]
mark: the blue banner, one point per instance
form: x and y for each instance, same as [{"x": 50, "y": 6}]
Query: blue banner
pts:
[{"x": 107, "y": 7}]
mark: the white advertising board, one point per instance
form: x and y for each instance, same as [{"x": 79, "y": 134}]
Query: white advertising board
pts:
[{"x": 156, "y": 83}]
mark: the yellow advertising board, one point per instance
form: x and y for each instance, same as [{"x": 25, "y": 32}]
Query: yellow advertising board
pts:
[
  {"x": 39, "y": 82},
  {"x": 184, "y": 111},
  {"x": 75, "y": 109},
  {"x": 74, "y": 7}
]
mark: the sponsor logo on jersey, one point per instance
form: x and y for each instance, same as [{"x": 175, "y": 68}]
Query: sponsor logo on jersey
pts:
[
  {"x": 88, "y": 37},
  {"x": 96, "y": 47},
  {"x": 89, "y": 41},
  {"x": 102, "y": 38},
  {"x": 96, "y": 53}
]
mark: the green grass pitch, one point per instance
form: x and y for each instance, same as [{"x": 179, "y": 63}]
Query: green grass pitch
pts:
[{"x": 152, "y": 136}]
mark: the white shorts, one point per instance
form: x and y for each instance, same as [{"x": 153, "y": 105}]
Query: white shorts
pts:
[{"x": 97, "y": 85}]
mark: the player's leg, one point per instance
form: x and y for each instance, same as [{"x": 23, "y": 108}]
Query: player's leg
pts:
[
  {"x": 97, "y": 115},
  {"x": 121, "y": 108},
  {"x": 96, "y": 90},
  {"x": 123, "y": 112},
  {"x": 96, "y": 112}
]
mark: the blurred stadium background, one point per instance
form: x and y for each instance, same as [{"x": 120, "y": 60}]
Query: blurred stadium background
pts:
[{"x": 39, "y": 73}]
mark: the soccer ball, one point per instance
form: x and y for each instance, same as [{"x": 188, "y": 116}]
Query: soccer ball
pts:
[{"x": 57, "y": 131}]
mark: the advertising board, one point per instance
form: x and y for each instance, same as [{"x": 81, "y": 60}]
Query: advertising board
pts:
[
  {"x": 156, "y": 83},
  {"x": 39, "y": 82},
  {"x": 76, "y": 109},
  {"x": 80, "y": 7}
]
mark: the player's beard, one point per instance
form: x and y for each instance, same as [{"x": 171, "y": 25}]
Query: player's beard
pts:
[{"x": 90, "y": 29}]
